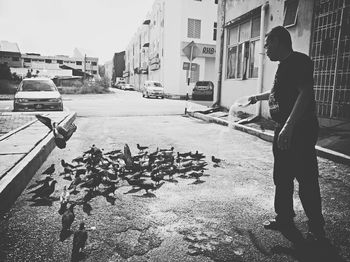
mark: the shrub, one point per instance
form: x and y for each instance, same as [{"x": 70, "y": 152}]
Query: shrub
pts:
[{"x": 7, "y": 87}]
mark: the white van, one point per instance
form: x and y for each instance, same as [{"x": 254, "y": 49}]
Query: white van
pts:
[{"x": 153, "y": 88}]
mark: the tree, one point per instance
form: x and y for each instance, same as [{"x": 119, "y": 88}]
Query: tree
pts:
[
  {"x": 101, "y": 70},
  {"x": 5, "y": 72}
]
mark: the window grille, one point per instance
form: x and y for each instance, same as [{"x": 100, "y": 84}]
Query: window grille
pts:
[
  {"x": 330, "y": 52},
  {"x": 194, "y": 28}
]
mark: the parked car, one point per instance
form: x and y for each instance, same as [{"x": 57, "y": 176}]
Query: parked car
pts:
[
  {"x": 203, "y": 90},
  {"x": 153, "y": 88},
  {"x": 127, "y": 87},
  {"x": 37, "y": 94}
]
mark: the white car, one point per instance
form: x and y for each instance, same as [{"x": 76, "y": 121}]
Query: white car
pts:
[
  {"x": 127, "y": 87},
  {"x": 152, "y": 88},
  {"x": 37, "y": 94}
]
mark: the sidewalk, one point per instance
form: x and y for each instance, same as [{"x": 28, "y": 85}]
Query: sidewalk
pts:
[
  {"x": 24, "y": 146},
  {"x": 333, "y": 142}
]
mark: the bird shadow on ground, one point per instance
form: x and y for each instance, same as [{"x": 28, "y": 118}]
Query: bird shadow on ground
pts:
[
  {"x": 42, "y": 201},
  {"x": 305, "y": 250},
  {"x": 171, "y": 180},
  {"x": 133, "y": 190},
  {"x": 147, "y": 195},
  {"x": 197, "y": 182}
]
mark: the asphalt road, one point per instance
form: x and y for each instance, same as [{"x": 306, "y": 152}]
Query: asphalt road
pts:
[{"x": 218, "y": 219}]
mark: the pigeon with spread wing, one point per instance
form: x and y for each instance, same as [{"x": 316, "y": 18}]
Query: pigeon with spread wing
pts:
[{"x": 61, "y": 134}]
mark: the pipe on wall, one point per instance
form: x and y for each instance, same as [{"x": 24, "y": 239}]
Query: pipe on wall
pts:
[{"x": 260, "y": 85}]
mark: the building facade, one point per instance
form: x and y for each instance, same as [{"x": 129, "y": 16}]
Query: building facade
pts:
[
  {"x": 156, "y": 52},
  {"x": 10, "y": 54},
  {"x": 317, "y": 28},
  {"x": 37, "y": 61},
  {"x": 118, "y": 65}
]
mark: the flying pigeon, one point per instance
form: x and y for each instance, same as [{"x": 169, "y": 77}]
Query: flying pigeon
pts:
[{"x": 61, "y": 134}]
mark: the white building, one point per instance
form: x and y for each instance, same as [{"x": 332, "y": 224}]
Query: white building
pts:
[
  {"x": 156, "y": 50},
  {"x": 317, "y": 28},
  {"x": 37, "y": 61}
]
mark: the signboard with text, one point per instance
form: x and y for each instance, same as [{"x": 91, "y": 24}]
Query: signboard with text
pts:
[
  {"x": 186, "y": 66},
  {"x": 202, "y": 50}
]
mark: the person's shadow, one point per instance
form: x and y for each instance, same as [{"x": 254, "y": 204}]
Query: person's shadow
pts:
[{"x": 305, "y": 250}]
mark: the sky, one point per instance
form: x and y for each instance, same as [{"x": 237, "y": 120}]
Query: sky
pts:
[{"x": 98, "y": 28}]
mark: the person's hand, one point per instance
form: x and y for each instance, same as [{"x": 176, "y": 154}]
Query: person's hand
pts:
[
  {"x": 285, "y": 137},
  {"x": 252, "y": 100}
]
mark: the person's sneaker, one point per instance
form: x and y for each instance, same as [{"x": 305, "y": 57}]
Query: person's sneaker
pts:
[{"x": 278, "y": 225}]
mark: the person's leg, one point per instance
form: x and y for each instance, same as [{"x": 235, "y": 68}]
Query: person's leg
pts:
[
  {"x": 310, "y": 196},
  {"x": 284, "y": 187},
  {"x": 307, "y": 176}
]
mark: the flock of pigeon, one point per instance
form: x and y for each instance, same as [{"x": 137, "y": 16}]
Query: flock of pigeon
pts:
[{"x": 98, "y": 173}]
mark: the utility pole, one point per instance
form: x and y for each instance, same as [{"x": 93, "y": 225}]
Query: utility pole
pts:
[
  {"x": 84, "y": 67},
  {"x": 189, "y": 78}
]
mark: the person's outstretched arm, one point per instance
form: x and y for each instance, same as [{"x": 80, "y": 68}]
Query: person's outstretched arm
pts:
[{"x": 259, "y": 97}]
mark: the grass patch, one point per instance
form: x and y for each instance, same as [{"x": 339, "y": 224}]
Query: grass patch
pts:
[{"x": 89, "y": 87}]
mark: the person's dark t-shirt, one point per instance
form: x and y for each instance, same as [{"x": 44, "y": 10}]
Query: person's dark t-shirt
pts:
[{"x": 296, "y": 71}]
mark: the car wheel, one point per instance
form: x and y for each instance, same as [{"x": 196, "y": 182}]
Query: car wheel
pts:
[
  {"x": 147, "y": 95},
  {"x": 143, "y": 94}
]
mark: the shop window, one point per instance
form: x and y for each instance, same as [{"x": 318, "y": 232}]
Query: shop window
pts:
[
  {"x": 27, "y": 60},
  {"x": 15, "y": 58},
  {"x": 48, "y": 61},
  {"x": 79, "y": 62},
  {"x": 242, "y": 49},
  {"x": 290, "y": 12},
  {"x": 94, "y": 63},
  {"x": 194, "y": 28}
]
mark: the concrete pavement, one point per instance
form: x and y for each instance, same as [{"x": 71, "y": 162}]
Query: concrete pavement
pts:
[
  {"x": 228, "y": 207},
  {"x": 23, "y": 149},
  {"x": 333, "y": 143}
]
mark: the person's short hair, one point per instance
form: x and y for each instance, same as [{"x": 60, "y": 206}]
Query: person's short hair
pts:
[{"x": 282, "y": 34}]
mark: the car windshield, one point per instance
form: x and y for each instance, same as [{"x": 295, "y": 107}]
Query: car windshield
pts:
[
  {"x": 38, "y": 85},
  {"x": 155, "y": 84}
]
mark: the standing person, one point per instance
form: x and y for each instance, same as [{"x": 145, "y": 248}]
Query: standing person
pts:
[{"x": 292, "y": 107}]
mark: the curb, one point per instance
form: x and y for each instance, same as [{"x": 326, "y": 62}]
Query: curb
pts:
[
  {"x": 17, "y": 178},
  {"x": 321, "y": 151}
]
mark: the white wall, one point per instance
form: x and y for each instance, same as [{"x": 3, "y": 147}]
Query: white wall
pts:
[{"x": 300, "y": 33}]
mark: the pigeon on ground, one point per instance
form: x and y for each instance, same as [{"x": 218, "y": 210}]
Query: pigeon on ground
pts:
[
  {"x": 68, "y": 218},
  {"x": 47, "y": 178},
  {"x": 44, "y": 191},
  {"x": 49, "y": 170},
  {"x": 65, "y": 164},
  {"x": 61, "y": 134},
  {"x": 65, "y": 195},
  {"x": 87, "y": 208},
  {"x": 79, "y": 241},
  {"x": 141, "y": 148}
]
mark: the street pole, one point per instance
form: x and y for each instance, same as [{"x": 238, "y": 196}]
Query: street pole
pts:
[
  {"x": 189, "y": 79},
  {"x": 84, "y": 67}
]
